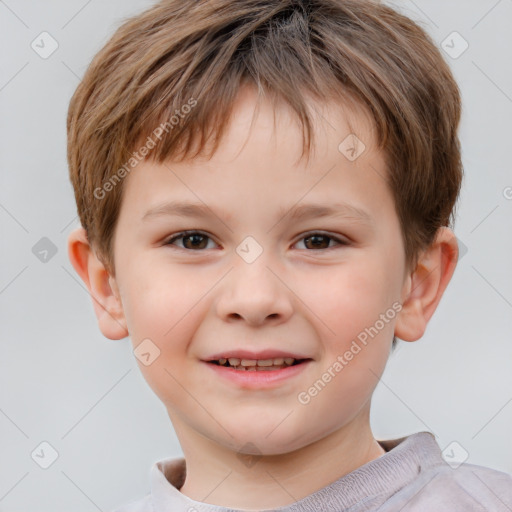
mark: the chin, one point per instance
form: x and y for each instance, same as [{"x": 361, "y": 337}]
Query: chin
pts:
[{"x": 268, "y": 441}]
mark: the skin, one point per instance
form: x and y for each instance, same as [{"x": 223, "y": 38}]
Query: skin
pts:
[{"x": 194, "y": 302}]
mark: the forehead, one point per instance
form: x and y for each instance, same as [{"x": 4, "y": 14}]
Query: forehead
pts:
[
  {"x": 277, "y": 125},
  {"x": 258, "y": 159}
]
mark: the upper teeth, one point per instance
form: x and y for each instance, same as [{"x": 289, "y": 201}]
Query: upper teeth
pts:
[{"x": 278, "y": 361}]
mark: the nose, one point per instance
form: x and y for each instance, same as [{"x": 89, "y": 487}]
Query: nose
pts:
[{"x": 256, "y": 293}]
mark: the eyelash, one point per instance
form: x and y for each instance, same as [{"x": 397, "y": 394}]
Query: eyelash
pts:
[{"x": 185, "y": 234}]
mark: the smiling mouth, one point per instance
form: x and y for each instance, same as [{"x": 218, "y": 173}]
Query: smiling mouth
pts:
[{"x": 277, "y": 363}]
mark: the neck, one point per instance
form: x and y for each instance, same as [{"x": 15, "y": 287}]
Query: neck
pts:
[{"x": 219, "y": 476}]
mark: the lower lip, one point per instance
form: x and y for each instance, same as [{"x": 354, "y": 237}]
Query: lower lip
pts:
[{"x": 258, "y": 379}]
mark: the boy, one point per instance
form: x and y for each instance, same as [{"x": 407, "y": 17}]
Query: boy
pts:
[{"x": 262, "y": 291}]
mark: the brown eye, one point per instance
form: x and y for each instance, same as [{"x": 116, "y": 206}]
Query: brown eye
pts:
[
  {"x": 191, "y": 240},
  {"x": 315, "y": 241},
  {"x": 196, "y": 241},
  {"x": 318, "y": 241}
]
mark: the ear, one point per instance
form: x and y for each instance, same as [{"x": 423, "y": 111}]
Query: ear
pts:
[
  {"x": 102, "y": 287},
  {"x": 424, "y": 288}
]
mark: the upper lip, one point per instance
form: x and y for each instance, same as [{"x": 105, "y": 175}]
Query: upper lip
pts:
[{"x": 248, "y": 354}]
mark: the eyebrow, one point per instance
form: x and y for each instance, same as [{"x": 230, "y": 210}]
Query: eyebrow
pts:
[{"x": 200, "y": 210}]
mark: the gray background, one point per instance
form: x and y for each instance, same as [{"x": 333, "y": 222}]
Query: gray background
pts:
[{"x": 62, "y": 382}]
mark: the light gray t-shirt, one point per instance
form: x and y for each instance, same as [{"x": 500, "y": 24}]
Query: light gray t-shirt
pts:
[{"x": 411, "y": 476}]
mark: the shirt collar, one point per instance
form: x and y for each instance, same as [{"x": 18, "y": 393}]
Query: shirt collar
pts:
[{"x": 404, "y": 459}]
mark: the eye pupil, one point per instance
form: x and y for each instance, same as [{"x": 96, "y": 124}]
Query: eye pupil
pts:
[
  {"x": 195, "y": 237},
  {"x": 315, "y": 240}
]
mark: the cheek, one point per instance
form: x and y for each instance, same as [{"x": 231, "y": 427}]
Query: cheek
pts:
[
  {"x": 166, "y": 309},
  {"x": 349, "y": 297},
  {"x": 168, "y": 316},
  {"x": 355, "y": 305},
  {"x": 158, "y": 300}
]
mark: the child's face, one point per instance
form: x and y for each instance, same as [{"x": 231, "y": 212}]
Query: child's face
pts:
[{"x": 204, "y": 296}]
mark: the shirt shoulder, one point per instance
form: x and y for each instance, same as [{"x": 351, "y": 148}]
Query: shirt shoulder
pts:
[
  {"x": 166, "y": 477},
  {"x": 144, "y": 504},
  {"x": 468, "y": 488}
]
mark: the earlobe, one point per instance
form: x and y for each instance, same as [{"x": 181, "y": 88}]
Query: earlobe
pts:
[
  {"x": 102, "y": 287},
  {"x": 426, "y": 285}
]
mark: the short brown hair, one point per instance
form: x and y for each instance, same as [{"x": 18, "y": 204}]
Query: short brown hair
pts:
[{"x": 179, "y": 50}]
